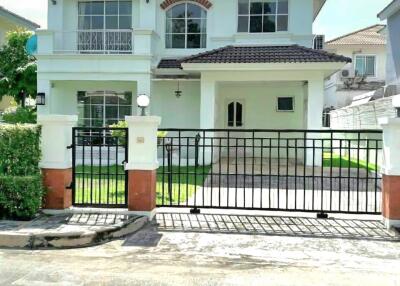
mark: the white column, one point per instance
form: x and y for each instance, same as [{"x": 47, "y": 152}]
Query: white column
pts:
[
  {"x": 207, "y": 102},
  {"x": 56, "y": 137},
  {"x": 44, "y": 85},
  {"x": 144, "y": 86},
  {"x": 142, "y": 152},
  {"x": 315, "y": 106},
  {"x": 148, "y": 14},
  {"x": 207, "y": 116}
]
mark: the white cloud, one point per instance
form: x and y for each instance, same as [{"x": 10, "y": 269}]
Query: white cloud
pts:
[{"x": 34, "y": 10}]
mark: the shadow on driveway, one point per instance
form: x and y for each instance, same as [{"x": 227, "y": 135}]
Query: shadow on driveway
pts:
[{"x": 276, "y": 226}]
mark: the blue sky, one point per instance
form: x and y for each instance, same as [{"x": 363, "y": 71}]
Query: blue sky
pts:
[{"x": 338, "y": 17}]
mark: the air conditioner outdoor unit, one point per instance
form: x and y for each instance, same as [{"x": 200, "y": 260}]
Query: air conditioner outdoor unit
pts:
[{"x": 347, "y": 73}]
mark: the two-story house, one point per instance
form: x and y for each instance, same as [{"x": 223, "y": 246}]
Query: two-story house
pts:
[
  {"x": 204, "y": 63},
  {"x": 367, "y": 49},
  {"x": 10, "y": 21}
]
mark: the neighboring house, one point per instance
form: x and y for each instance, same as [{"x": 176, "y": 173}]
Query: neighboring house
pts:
[
  {"x": 9, "y": 22},
  {"x": 367, "y": 48},
  {"x": 392, "y": 14},
  {"x": 204, "y": 63}
]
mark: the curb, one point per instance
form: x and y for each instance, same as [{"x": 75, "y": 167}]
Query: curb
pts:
[{"x": 54, "y": 240}]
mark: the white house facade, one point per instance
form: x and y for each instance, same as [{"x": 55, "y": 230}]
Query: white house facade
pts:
[
  {"x": 366, "y": 72},
  {"x": 204, "y": 63}
]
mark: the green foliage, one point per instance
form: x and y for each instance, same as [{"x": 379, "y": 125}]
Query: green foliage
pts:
[
  {"x": 19, "y": 115},
  {"x": 19, "y": 150},
  {"x": 17, "y": 68},
  {"x": 20, "y": 197}
]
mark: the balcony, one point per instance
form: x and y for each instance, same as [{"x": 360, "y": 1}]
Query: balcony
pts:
[
  {"x": 97, "y": 42},
  {"x": 94, "y": 42},
  {"x": 94, "y": 54}
]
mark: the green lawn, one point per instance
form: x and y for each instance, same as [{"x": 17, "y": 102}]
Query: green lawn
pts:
[
  {"x": 184, "y": 182},
  {"x": 336, "y": 161}
]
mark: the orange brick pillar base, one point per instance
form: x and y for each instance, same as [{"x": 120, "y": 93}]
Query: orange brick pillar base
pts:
[
  {"x": 57, "y": 182},
  {"x": 142, "y": 191},
  {"x": 391, "y": 200}
]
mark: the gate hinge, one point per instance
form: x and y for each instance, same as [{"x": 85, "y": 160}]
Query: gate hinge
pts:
[
  {"x": 70, "y": 146},
  {"x": 70, "y": 186}
]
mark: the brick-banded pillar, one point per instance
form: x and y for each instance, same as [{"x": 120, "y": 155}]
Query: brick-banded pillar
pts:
[
  {"x": 391, "y": 169},
  {"x": 142, "y": 164},
  {"x": 56, "y": 163}
]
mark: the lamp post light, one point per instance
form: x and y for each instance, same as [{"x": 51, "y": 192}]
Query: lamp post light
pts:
[{"x": 143, "y": 102}]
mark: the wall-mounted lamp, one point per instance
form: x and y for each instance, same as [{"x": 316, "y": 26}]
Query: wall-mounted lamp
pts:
[
  {"x": 41, "y": 99},
  {"x": 54, "y": 2},
  {"x": 178, "y": 92},
  {"x": 147, "y": 1},
  {"x": 143, "y": 102},
  {"x": 396, "y": 104}
]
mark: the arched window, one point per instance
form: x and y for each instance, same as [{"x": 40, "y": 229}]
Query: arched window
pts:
[
  {"x": 235, "y": 114},
  {"x": 186, "y": 27}
]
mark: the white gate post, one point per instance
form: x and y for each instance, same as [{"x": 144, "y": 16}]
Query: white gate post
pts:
[
  {"x": 391, "y": 168},
  {"x": 56, "y": 163}
]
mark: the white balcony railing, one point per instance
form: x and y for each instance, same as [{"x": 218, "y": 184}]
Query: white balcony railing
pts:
[{"x": 94, "y": 42}]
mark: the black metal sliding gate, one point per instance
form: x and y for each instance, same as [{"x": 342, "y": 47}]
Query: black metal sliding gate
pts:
[
  {"x": 322, "y": 171},
  {"x": 99, "y": 178}
]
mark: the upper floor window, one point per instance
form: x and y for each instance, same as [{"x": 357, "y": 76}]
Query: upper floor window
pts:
[
  {"x": 263, "y": 16},
  {"x": 109, "y": 15},
  {"x": 365, "y": 65},
  {"x": 186, "y": 27}
]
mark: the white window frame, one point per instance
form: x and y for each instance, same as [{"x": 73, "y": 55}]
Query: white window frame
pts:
[
  {"x": 104, "y": 15},
  {"x": 226, "y": 111},
  {"x": 262, "y": 16},
  {"x": 365, "y": 62},
  {"x": 103, "y": 94},
  {"x": 277, "y": 104},
  {"x": 186, "y": 21}
]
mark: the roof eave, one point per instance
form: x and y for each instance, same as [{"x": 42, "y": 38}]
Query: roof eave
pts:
[
  {"x": 389, "y": 10},
  {"x": 319, "y": 4},
  {"x": 299, "y": 66},
  {"x": 18, "y": 20}
]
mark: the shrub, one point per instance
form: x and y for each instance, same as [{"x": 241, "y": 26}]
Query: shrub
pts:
[
  {"x": 15, "y": 115},
  {"x": 19, "y": 150},
  {"x": 20, "y": 197}
]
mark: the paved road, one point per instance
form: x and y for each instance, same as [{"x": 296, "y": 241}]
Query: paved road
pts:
[{"x": 159, "y": 257}]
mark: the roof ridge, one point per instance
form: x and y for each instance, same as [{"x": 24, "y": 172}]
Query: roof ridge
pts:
[
  {"x": 192, "y": 57},
  {"x": 355, "y": 32}
]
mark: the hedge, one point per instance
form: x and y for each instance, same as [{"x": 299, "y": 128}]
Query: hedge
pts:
[
  {"x": 21, "y": 188},
  {"x": 19, "y": 150},
  {"x": 20, "y": 197}
]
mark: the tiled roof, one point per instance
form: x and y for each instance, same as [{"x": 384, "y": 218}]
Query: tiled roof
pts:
[
  {"x": 366, "y": 36},
  {"x": 257, "y": 54},
  {"x": 26, "y": 22},
  {"x": 265, "y": 54},
  {"x": 169, "y": 64}
]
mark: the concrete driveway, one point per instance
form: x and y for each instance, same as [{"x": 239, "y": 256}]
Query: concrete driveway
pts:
[{"x": 165, "y": 255}]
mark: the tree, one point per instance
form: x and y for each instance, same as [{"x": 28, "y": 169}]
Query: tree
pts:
[{"x": 17, "y": 68}]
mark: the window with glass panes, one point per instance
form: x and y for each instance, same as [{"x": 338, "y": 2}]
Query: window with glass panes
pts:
[
  {"x": 365, "y": 65},
  {"x": 109, "y": 15},
  {"x": 263, "y": 16},
  {"x": 235, "y": 114},
  {"x": 103, "y": 108},
  {"x": 186, "y": 26}
]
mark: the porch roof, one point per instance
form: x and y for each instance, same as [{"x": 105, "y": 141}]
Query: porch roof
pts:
[{"x": 257, "y": 54}]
